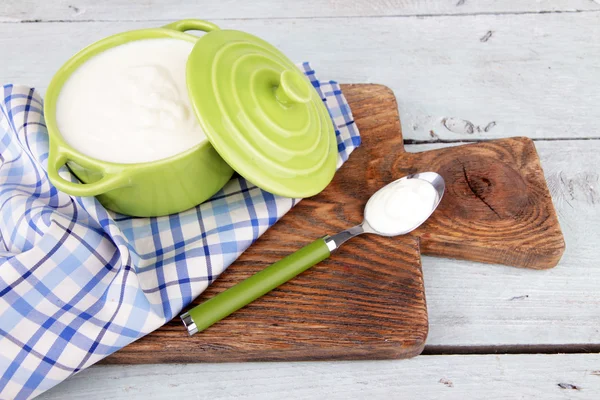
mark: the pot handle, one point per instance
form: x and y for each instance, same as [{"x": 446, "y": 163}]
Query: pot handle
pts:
[
  {"x": 192, "y": 25},
  {"x": 59, "y": 156}
]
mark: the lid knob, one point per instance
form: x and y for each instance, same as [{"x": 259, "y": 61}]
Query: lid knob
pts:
[{"x": 293, "y": 88}]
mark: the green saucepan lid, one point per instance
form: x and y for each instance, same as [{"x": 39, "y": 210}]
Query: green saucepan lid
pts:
[{"x": 261, "y": 113}]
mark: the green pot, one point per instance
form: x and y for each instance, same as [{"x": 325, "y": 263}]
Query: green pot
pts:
[
  {"x": 279, "y": 136},
  {"x": 155, "y": 188}
]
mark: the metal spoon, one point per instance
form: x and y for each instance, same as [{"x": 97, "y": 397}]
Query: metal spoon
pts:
[{"x": 245, "y": 292}]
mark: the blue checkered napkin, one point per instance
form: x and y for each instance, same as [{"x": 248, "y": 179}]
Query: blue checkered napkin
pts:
[{"x": 78, "y": 282}]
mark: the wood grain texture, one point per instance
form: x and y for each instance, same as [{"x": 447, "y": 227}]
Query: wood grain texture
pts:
[
  {"x": 124, "y": 10},
  {"x": 497, "y": 207},
  {"x": 536, "y": 76},
  {"x": 367, "y": 301},
  {"x": 491, "y": 377}
]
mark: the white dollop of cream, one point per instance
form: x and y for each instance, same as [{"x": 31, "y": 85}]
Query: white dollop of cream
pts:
[
  {"x": 130, "y": 104},
  {"x": 401, "y": 206}
]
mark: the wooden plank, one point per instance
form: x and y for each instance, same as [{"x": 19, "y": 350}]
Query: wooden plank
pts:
[
  {"x": 491, "y": 377},
  {"x": 535, "y": 76},
  {"x": 124, "y": 10},
  {"x": 473, "y": 305}
]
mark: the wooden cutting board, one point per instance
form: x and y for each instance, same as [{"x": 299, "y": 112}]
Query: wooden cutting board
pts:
[{"x": 368, "y": 300}]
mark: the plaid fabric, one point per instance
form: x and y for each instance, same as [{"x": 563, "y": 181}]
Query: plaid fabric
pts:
[{"x": 78, "y": 282}]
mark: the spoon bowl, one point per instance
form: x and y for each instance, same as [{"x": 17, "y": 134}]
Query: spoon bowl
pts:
[
  {"x": 436, "y": 182},
  {"x": 437, "y": 185}
]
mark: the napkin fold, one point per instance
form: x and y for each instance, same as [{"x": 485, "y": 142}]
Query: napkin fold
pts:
[{"x": 78, "y": 282}]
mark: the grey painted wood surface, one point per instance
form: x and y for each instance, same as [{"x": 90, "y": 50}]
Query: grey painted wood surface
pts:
[
  {"x": 537, "y": 75},
  {"x": 126, "y": 10},
  {"x": 469, "y": 304},
  {"x": 457, "y": 66},
  {"x": 491, "y": 377}
]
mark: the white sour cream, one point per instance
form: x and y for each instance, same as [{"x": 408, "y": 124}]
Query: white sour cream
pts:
[
  {"x": 130, "y": 104},
  {"x": 400, "y": 206}
]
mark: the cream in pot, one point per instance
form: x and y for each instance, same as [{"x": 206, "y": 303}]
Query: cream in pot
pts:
[{"x": 130, "y": 103}]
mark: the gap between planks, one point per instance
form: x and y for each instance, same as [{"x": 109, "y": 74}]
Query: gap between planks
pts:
[
  {"x": 512, "y": 349},
  {"x": 418, "y": 16},
  {"x": 459, "y": 141}
]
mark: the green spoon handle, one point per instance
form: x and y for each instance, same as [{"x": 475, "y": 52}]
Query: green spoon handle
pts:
[{"x": 225, "y": 303}]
